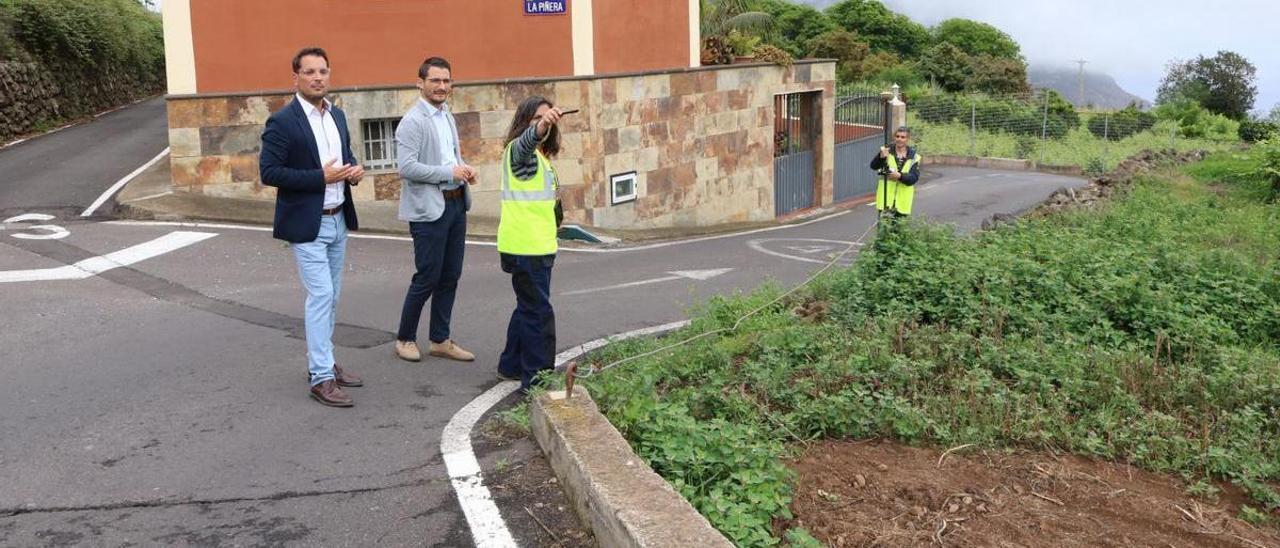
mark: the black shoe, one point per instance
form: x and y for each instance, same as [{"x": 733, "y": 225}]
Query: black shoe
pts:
[{"x": 507, "y": 377}]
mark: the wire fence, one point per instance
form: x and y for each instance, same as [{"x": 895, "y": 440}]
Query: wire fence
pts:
[{"x": 1040, "y": 126}]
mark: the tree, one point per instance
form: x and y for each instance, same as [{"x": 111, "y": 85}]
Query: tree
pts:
[
  {"x": 1223, "y": 84},
  {"x": 996, "y": 74},
  {"x": 843, "y": 46},
  {"x": 1274, "y": 116},
  {"x": 976, "y": 38},
  {"x": 884, "y": 30},
  {"x": 794, "y": 25},
  {"x": 721, "y": 16},
  {"x": 947, "y": 66}
]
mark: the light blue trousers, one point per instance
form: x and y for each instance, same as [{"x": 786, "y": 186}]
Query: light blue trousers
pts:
[{"x": 320, "y": 265}]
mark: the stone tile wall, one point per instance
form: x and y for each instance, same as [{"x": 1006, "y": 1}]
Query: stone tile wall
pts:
[{"x": 700, "y": 141}]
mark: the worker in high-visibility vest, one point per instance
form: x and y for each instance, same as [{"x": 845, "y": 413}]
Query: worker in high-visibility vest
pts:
[
  {"x": 527, "y": 239},
  {"x": 899, "y": 167}
]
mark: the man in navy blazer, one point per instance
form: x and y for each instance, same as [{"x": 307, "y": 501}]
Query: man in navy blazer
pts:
[{"x": 306, "y": 155}]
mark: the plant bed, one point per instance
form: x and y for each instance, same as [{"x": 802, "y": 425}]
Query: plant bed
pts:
[
  {"x": 881, "y": 493},
  {"x": 1143, "y": 329}
]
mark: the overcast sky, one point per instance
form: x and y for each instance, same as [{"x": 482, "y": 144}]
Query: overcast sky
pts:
[{"x": 1129, "y": 39}]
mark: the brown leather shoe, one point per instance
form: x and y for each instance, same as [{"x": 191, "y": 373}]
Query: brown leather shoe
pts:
[
  {"x": 346, "y": 378},
  {"x": 330, "y": 394},
  {"x": 448, "y": 349},
  {"x": 408, "y": 351}
]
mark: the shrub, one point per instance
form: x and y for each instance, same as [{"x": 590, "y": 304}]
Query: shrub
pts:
[
  {"x": 1123, "y": 123},
  {"x": 1252, "y": 131}
]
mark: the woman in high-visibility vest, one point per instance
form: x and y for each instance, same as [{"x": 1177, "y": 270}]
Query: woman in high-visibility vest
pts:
[
  {"x": 527, "y": 239},
  {"x": 900, "y": 169}
]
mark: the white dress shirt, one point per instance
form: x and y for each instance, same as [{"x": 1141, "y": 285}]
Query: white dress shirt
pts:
[
  {"x": 444, "y": 138},
  {"x": 329, "y": 144}
]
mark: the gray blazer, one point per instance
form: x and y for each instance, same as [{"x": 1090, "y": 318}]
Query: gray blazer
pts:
[{"x": 421, "y": 166}]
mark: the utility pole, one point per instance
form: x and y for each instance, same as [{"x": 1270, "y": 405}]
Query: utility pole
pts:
[{"x": 1081, "y": 104}]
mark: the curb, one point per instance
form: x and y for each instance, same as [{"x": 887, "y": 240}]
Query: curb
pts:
[
  {"x": 1009, "y": 164},
  {"x": 613, "y": 491}
]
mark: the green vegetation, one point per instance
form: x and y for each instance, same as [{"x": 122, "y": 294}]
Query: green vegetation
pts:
[
  {"x": 1124, "y": 123},
  {"x": 99, "y": 53},
  {"x": 1144, "y": 331},
  {"x": 105, "y": 34},
  {"x": 1078, "y": 147},
  {"x": 1252, "y": 131},
  {"x": 1223, "y": 84}
]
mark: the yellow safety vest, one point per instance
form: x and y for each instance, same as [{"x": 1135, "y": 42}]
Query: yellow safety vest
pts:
[
  {"x": 891, "y": 194},
  {"x": 528, "y": 222}
]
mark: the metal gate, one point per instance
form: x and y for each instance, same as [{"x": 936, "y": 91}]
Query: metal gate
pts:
[
  {"x": 795, "y": 134},
  {"x": 861, "y": 130}
]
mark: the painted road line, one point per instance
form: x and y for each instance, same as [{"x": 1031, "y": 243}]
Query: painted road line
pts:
[
  {"x": 52, "y": 232},
  {"x": 758, "y": 245},
  {"x": 675, "y": 275},
  {"x": 195, "y": 224},
  {"x": 97, "y": 265},
  {"x": 120, "y": 184},
  {"x": 483, "y": 518}
]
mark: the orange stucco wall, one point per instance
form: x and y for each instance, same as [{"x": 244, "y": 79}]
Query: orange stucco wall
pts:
[
  {"x": 636, "y": 35},
  {"x": 246, "y": 45}
]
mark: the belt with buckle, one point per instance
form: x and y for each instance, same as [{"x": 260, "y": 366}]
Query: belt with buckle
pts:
[
  {"x": 332, "y": 210},
  {"x": 454, "y": 193}
]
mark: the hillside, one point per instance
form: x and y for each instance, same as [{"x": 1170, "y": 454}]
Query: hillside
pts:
[{"x": 1100, "y": 90}]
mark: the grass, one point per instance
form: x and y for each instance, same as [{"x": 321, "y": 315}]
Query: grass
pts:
[
  {"x": 1146, "y": 331},
  {"x": 1078, "y": 148}
]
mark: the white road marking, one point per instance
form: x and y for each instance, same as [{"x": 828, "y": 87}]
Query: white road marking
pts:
[
  {"x": 758, "y": 245},
  {"x": 120, "y": 184},
  {"x": 97, "y": 265},
  {"x": 810, "y": 249},
  {"x": 675, "y": 275},
  {"x": 53, "y": 232},
  {"x": 195, "y": 224},
  {"x": 483, "y": 518}
]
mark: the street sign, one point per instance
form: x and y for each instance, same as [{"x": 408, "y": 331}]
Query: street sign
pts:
[{"x": 546, "y": 7}]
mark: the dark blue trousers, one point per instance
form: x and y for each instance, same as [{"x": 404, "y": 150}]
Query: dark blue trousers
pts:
[
  {"x": 438, "y": 248},
  {"x": 531, "y": 333}
]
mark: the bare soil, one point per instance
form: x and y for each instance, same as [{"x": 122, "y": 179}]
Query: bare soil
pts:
[
  {"x": 526, "y": 491},
  {"x": 879, "y": 493}
]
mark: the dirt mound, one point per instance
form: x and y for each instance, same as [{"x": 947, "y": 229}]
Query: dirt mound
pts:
[{"x": 885, "y": 494}]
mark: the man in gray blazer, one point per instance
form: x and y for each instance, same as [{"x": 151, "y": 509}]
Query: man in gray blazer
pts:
[{"x": 434, "y": 200}]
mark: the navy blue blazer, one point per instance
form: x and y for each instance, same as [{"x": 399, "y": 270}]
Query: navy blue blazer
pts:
[{"x": 291, "y": 163}]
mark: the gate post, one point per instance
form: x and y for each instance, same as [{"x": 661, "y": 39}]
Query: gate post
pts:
[{"x": 897, "y": 109}]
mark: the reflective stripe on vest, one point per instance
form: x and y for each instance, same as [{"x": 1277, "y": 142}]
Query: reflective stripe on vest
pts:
[
  {"x": 892, "y": 194},
  {"x": 528, "y": 222}
]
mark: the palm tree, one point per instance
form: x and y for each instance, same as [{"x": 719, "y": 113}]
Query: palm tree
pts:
[{"x": 719, "y": 17}]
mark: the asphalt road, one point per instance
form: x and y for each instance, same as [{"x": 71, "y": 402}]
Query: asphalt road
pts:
[
  {"x": 64, "y": 172},
  {"x": 165, "y": 403}
]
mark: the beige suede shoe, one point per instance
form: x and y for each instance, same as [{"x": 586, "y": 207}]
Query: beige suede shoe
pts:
[
  {"x": 408, "y": 351},
  {"x": 452, "y": 351}
]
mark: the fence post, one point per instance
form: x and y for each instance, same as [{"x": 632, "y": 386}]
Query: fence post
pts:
[
  {"x": 1044, "y": 127},
  {"x": 1106, "y": 136},
  {"x": 973, "y": 130}
]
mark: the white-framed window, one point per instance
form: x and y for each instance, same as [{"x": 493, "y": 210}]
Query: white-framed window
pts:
[
  {"x": 380, "y": 143},
  {"x": 622, "y": 188}
]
